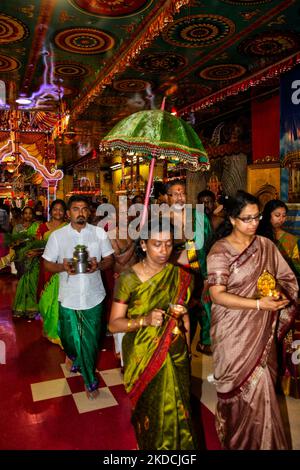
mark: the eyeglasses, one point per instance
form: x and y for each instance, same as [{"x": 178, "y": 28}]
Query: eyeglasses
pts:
[{"x": 248, "y": 220}]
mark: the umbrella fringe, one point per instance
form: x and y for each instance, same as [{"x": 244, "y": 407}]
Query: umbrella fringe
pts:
[{"x": 190, "y": 159}]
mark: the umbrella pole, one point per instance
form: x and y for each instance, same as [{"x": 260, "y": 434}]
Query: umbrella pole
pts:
[{"x": 147, "y": 196}]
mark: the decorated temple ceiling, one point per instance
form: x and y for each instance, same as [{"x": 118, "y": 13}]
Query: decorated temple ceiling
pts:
[{"x": 103, "y": 60}]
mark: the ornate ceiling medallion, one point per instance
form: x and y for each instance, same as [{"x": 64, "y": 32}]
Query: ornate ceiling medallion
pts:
[
  {"x": 223, "y": 72},
  {"x": 70, "y": 70},
  {"x": 111, "y": 8},
  {"x": 8, "y": 64},
  {"x": 84, "y": 41},
  {"x": 270, "y": 43},
  {"x": 198, "y": 30},
  {"x": 131, "y": 85},
  {"x": 11, "y": 30},
  {"x": 160, "y": 62}
]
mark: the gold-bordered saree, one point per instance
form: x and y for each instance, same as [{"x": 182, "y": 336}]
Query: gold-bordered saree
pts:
[
  {"x": 156, "y": 362},
  {"x": 244, "y": 345}
]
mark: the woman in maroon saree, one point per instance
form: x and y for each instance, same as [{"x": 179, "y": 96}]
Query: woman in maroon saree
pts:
[{"x": 245, "y": 329}]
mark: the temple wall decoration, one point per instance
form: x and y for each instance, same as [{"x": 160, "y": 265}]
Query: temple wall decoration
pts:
[
  {"x": 263, "y": 180},
  {"x": 290, "y": 135},
  {"x": 195, "y": 182},
  {"x": 234, "y": 175},
  {"x": 228, "y": 146}
]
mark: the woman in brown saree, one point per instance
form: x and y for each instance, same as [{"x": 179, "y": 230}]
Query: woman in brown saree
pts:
[
  {"x": 245, "y": 329},
  {"x": 156, "y": 344}
]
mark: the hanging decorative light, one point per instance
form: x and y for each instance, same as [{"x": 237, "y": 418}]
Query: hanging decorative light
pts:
[{"x": 11, "y": 167}]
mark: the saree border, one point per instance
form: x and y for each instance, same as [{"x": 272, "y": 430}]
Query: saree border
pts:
[{"x": 161, "y": 351}]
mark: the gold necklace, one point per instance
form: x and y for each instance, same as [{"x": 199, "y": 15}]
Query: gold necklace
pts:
[{"x": 148, "y": 272}]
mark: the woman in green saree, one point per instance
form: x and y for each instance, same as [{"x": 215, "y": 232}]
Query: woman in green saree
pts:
[
  {"x": 25, "y": 302},
  {"x": 48, "y": 283},
  {"x": 271, "y": 226},
  {"x": 156, "y": 345}
]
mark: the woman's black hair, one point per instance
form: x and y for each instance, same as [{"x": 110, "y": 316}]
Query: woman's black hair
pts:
[
  {"x": 206, "y": 193},
  {"x": 265, "y": 227},
  {"x": 159, "y": 188},
  {"x": 58, "y": 201},
  {"x": 233, "y": 206},
  {"x": 135, "y": 198},
  {"x": 155, "y": 225},
  {"x": 28, "y": 207},
  {"x": 16, "y": 211}
]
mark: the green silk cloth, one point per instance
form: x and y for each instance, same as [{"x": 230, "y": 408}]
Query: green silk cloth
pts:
[
  {"x": 48, "y": 303},
  {"x": 49, "y": 309},
  {"x": 79, "y": 332},
  {"x": 288, "y": 245},
  {"x": 30, "y": 230},
  {"x": 25, "y": 303},
  {"x": 203, "y": 232},
  {"x": 156, "y": 362},
  {"x": 158, "y": 132}
]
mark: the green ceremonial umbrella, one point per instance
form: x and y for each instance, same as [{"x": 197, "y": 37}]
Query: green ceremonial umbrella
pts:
[{"x": 158, "y": 134}]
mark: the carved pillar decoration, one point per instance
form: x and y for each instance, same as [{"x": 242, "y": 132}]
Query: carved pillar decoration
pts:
[
  {"x": 131, "y": 172},
  {"x": 123, "y": 172},
  {"x": 234, "y": 175},
  {"x": 195, "y": 182}
]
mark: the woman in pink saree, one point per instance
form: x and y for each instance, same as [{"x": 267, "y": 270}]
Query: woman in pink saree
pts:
[{"x": 245, "y": 330}]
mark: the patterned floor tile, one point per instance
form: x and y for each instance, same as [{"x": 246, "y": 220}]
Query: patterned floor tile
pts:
[
  {"x": 50, "y": 389},
  {"x": 104, "y": 400},
  {"x": 67, "y": 373},
  {"x": 112, "y": 376}
]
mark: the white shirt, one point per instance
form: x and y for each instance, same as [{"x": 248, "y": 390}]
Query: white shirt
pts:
[{"x": 79, "y": 291}]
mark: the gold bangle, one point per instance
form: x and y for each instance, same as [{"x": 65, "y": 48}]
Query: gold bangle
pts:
[
  {"x": 141, "y": 322},
  {"x": 129, "y": 324}
]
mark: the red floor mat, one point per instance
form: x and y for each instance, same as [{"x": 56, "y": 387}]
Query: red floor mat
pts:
[{"x": 55, "y": 423}]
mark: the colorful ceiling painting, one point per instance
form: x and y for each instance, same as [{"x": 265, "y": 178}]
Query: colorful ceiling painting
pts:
[
  {"x": 103, "y": 60},
  {"x": 12, "y": 30},
  {"x": 84, "y": 41}
]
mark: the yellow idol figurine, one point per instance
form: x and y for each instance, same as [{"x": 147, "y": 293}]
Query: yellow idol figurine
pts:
[{"x": 266, "y": 285}]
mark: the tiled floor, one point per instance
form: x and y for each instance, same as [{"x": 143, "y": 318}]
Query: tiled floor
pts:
[
  {"x": 44, "y": 406},
  {"x": 202, "y": 367},
  {"x": 72, "y": 385}
]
